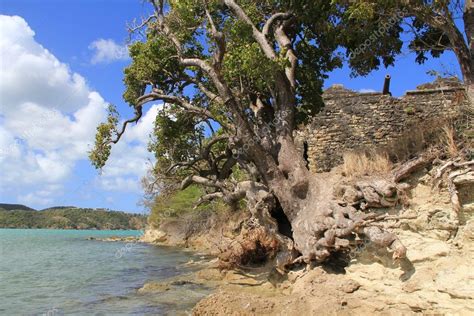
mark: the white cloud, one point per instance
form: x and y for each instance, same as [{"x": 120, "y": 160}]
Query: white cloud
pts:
[
  {"x": 367, "y": 91},
  {"x": 48, "y": 118},
  {"x": 107, "y": 51},
  {"x": 41, "y": 197},
  {"x": 30, "y": 73},
  {"x": 48, "y": 113}
]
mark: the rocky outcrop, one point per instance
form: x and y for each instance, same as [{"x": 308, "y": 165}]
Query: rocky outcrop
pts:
[
  {"x": 153, "y": 236},
  {"x": 435, "y": 278},
  {"x": 210, "y": 235}
]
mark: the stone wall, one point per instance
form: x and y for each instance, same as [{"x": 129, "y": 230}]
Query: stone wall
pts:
[{"x": 351, "y": 120}]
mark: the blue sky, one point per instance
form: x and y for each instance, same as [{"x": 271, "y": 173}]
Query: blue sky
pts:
[{"x": 82, "y": 43}]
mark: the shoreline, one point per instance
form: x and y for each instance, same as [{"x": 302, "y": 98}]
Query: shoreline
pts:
[
  {"x": 78, "y": 229},
  {"x": 435, "y": 279},
  {"x": 368, "y": 286}
]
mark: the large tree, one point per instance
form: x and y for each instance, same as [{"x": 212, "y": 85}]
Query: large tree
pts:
[{"x": 235, "y": 78}]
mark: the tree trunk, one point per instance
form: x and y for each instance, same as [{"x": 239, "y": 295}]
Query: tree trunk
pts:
[
  {"x": 468, "y": 72},
  {"x": 321, "y": 224},
  {"x": 470, "y": 91}
]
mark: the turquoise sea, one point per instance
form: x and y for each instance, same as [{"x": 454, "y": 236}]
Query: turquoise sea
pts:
[{"x": 60, "y": 272}]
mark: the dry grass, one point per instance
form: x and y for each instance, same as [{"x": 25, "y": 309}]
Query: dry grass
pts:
[
  {"x": 415, "y": 140},
  {"x": 448, "y": 139},
  {"x": 366, "y": 163}
]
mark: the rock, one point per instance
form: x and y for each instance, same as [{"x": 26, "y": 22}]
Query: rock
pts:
[
  {"x": 466, "y": 233},
  {"x": 439, "y": 222},
  {"x": 416, "y": 304},
  {"x": 115, "y": 239},
  {"x": 209, "y": 275},
  {"x": 153, "y": 236},
  {"x": 458, "y": 281},
  {"x": 349, "y": 287},
  {"x": 153, "y": 287},
  {"x": 422, "y": 248},
  {"x": 423, "y": 278}
]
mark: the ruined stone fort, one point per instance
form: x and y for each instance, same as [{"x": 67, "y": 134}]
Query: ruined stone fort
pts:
[{"x": 351, "y": 120}]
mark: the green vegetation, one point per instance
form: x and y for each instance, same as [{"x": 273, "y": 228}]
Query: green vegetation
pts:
[
  {"x": 68, "y": 218},
  {"x": 179, "y": 203},
  {"x": 10, "y": 207}
]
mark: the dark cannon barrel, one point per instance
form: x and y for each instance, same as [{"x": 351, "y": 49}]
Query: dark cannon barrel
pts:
[{"x": 386, "y": 85}]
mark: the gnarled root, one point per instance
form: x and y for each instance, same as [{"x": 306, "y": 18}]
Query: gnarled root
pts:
[
  {"x": 335, "y": 228},
  {"x": 454, "y": 173},
  {"x": 378, "y": 193}
]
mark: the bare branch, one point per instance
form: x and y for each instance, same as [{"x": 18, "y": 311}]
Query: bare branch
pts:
[
  {"x": 209, "y": 197},
  {"x": 269, "y": 24},
  {"x": 220, "y": 42},
  {"x": 201, "y": 180},
  {"x": 134, "y": 28},
  {"x": 136, "y": 118},
  {"x": 158, "y": 94}
]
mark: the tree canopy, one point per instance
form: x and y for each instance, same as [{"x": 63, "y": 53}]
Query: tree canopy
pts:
[{"x": 245, "y": 46}]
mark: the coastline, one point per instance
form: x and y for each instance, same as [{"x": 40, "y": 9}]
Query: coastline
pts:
[
  {"x": 435, "y": 279},
  {"x": 368, "y": 286}
]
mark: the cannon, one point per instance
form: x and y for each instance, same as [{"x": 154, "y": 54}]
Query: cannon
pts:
[{"x": 386, "y": 86}]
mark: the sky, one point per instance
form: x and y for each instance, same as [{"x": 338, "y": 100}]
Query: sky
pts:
[{"x": 61, "y": 64}]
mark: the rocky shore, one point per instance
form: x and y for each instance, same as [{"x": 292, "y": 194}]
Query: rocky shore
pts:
[
  {"x": 116, "y": 239},
  {"x": 436, "y": 278}
]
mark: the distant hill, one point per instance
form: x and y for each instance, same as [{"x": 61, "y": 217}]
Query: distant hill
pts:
[
  {"x": 67, "y": 217},
  {"x": 58, "y": 208},
  {"x": 10, "y": 207}
]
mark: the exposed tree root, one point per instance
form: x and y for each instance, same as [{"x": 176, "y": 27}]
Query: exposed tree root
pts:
[
  {"x": 338, "y": 219},
  {"x": 454, "y": 173}
]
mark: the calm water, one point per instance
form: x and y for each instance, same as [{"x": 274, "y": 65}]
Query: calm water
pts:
[{"x": 60, "y": 272}]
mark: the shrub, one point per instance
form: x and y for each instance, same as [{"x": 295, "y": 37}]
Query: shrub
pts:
[{"x": 174, "y": 204}]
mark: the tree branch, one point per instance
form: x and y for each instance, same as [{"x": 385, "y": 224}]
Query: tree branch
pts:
[
  {"x": 269, "y": 24},
  {"x": 285, "y": 45},
  {"x": 219, "y": 40},
  {"x": 201, "y": 180},
  {"x": 258, "y": 36},
  {"x": 136, "y": 118},
  {"x": 158, "y": 94}
]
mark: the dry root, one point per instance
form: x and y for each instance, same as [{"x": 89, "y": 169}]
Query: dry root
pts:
[
  {"x": 337, "y": 224},
  {"x": 334, "y": 224},
  {"x": 454, "y": 173},
  {"x": 253, "y": 247}
]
